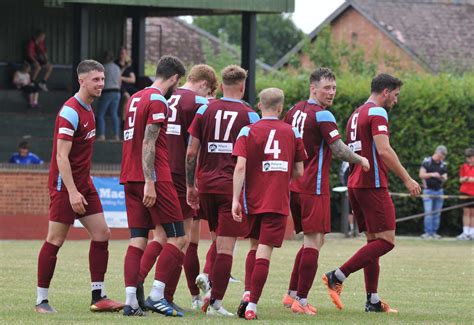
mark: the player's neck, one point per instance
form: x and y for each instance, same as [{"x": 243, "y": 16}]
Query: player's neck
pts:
[
  {"x": 316, "y": 101},
  {"x": 190, "y": 86},
  {"x": 374, "y": 99},
  {"x": 162, "y": 86},
  {"x": 232, "y": 95},
  {"x": 82, "y": 94}
]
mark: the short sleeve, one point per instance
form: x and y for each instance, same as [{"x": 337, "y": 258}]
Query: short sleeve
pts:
[
  {"x": 425, "y": 164},
  {"x": 68, "y": 120},
  {"x": 462, "y": 171},
  {"x": 328, "y": 127},
  {"x": 240, "y": 147},
  {"x": 158, "y": 109},
  {"x": 195, "y": 129},
  {"x": 378, "y": 121},
  {"x": 300, "y": 154}
]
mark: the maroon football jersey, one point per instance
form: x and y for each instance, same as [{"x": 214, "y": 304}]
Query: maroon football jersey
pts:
[
  {"x": 217, "y": 127},
  {"x": 148, "y": 106},
  {"x": 365, "y": 122},
  {"x": 271, "y": 148},
  {"x": 183, "y": 105},
  {"x": 318, "y": 128},
  {"x": 75, "y": 122}
]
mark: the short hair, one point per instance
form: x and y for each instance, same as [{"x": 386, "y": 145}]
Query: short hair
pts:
[
  {"x": 87, "y": 66},
  {"x": 203, "y": 72},
  {"x": 270, "y": 98},
  {"x": 442, "y": 150},
  {"x": 321, "y": 73},
  {"x": 24, "y": 145},
  {"x": 168, "y": 66},
  {"x": 233, "y": 75},
  {"x": 108, "y": 56},
  {"x": 384, "y": 81},
  {"x": 38, "y": 33},
  {"x": 469, "y": 152}
]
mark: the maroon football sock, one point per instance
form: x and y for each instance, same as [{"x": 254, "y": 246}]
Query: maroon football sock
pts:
[
  {"x": 210, "y": 258},
  {"x": 366, "y": 255},
  {"x": 98, "y": 259},
  {"x": 249, "y": 265},
  {"x": 295, "y": 273},
  {"x": 307, "y": 271},
  {"x": 221, "y": 275},
  {"x": 371, "y": 275},
  {"x": 191, "y": 268},
  {"x": 259, "y": 277},
  {"x": 46, "y": 264},
  {"x": 172, "y": 283},
  {"x": 152, "y": 250},
  {"x": 132, "y": 265},
  {"x": 170, "y": 258}
]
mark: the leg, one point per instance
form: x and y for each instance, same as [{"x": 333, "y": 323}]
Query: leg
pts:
[
  {"x": 35, "y": 98},
  {"x": 428, "y": 219},
  {"x": 471, "y": 222},
  {"x": 124, "y": 101},
  {"x": 36, "y": 71},
  {"x": 259, "y": 275},
  {"x": 48, "y": 67},
  {"x": 308, "y": 264},
  {"x": 222, "y": 267},
  {"x": 114, "y": 108},
  {"x": 152, "y": 251},
  {"x": 101, "y": 111},
  {"x": 437, "y": 205},
  {"x": 191, "y": 260},
  {"x": 250, "y": 264}
]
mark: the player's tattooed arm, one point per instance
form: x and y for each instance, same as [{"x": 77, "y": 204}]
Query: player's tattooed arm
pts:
[
  {"x": 148, "y": 151},
  {"x": 343, "y": 152},
  {"x": 191, "y": 161}
]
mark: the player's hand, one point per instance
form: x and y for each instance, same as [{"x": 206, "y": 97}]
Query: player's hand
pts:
[
  {"x": 192, "y": 197},
  {"x": 78, "y": 202},
  {"x": 365, "y": 164},
  {"x": 413, "y": 187},
  {"x": 149, "y": 194},
  {"x": 237, "y": 211}
]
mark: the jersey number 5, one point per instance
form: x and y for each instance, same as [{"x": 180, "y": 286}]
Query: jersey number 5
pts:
[
  {"x": 272, "y": 146},
  {"x": 219, "y": 117},
  {"x": 133, "y": 109}
]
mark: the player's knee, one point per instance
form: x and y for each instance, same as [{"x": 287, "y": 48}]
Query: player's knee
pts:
[
  {"x": 55, "y": 239},
  {"x": 101, "y": 234}
]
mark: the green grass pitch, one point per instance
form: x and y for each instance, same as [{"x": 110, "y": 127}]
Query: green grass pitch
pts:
[{"x": 427, "y": 281}]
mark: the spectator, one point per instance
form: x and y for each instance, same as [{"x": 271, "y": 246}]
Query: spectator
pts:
[
  {"x": 24, "y": 156},
  {"x": 22, "y": 80},
  {"x": 466, "y": 178},
  {"x": 433, "y": 173},
  {"x": 110, "y": 98},
  {"x": 37, "y": 55},
  {"x": 128, "y": 78}
]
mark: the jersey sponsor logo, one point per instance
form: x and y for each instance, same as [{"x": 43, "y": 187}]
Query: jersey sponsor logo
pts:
[
  {"x": 173, "y": 129},
  {"x": 128, "y": 134},
  {"x": 90, "y": 135},
  {"x": 274, "y": 166},
  {"x": 158, "y": 116},
  {"x": 66, "y": 131},
  {"x": 334, "y": 133},
  {"x": 383, "y": 128},
  {"x": 220, "y": 147},
  {"x": 355, "y": 146}
]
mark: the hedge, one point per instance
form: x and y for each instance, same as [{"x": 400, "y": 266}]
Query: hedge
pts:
[{"x": 432, "y": 110}]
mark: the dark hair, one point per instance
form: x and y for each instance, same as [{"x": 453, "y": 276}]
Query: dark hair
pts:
[
  {"x": 87, "y": 66},
  {"x": 38, "y": 33},
  {"x": 321, "y": 73},
  {"x": 168, "y": 66},
  {"x": 23, "y": 145},
  {"x": 384, "y": 81},
  {"x": 469, "y": 152},
  {"x": 108, "y": 56}
]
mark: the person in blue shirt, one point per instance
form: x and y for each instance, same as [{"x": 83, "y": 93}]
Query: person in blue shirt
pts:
[{"x": 24, "y": 156}]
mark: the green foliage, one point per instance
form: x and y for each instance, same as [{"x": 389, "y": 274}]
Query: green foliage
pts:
[
  {"x": 432, "y": 110},
  {"x": 222, "y": 58},
  {"x": 271, "y": 30}
]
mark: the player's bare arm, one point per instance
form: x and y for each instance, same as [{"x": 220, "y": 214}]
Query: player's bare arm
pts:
[
  {"x": 343, "y": 152},
  {"x": 390, "y": 158},
  {"x": 298, "y": 170},
  {"x": 148, "y": 163},
  {"x": 238, "y": 182},
  {"x": 191, "y": 162},
  {"x": 76, "y": 199}
]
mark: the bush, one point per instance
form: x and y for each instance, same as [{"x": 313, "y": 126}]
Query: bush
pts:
[{"x": 432, "y": 110}]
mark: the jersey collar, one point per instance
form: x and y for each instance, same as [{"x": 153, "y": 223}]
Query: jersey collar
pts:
[
  {"x": 156, "y": 88},
  {"x": 87, "y": 107},
  {"x": 312, "y": 101},
  {"x": 269, "y": 118},
  {"x": 231, "y": 100}
]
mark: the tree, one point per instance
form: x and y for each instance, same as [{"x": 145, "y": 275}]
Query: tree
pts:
[{"x": 276, "y": 33}]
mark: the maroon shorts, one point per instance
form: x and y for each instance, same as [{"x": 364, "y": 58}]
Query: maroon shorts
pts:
[
  {"x": 187, "y": 211},
  {"x": 267, "y": 228},
  {"x": 60, "y": 209},
  {"x": 373, "y": 209},
  {"x": 217, "y": 209},
  {"x": 311, "y": 213},
  {"x": 165, "y": 209}
]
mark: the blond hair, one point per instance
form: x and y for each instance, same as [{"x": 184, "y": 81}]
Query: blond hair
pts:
[
  {"x": 233, "y": 75},
  {"x": 271, "y": 98},
  {"x": 204, "y": 72}
]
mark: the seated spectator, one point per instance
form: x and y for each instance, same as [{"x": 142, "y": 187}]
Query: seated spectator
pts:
[
  {"x": 22, "y": 80},
  {"x": 466, "y": 178},
  {"x": 37, "y": 55},
  {"x": 110, "y": 98},
  {"x": 128, "y": 78},
  {"x": 24, "y": 156}
]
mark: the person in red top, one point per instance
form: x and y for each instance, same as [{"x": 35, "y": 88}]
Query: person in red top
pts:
[
  {"x": 368, "y": 134},
  {"x": 310, "y": 195},
  {"x": 269, "y": 153},
  {"x": 37, "y": 55},
  {"x": 183, "y": 105},
  {"x": 466, "y": 178},
  {"x": 72, "y": 193},
  {"x": 213, "y": 133},
  {"x": 150, "y": 196}
]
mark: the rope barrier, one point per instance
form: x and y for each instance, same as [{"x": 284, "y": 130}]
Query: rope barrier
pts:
[
  {"x": 460, "y": 197},
  {"x": 419, "y": 215}
]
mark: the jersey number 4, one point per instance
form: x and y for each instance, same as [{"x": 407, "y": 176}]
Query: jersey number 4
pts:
[
  {"x": 224, "y": 116},
  {"x": 272, "y": 146}
]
